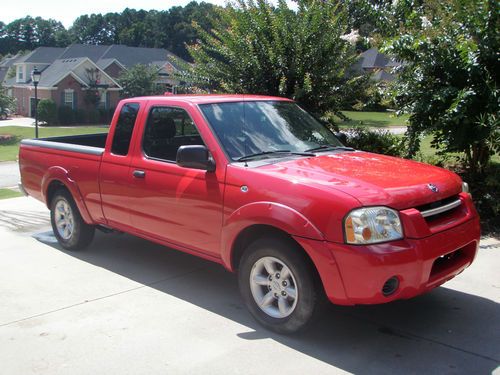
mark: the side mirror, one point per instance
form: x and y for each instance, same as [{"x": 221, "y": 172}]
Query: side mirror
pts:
[
  {"x": 342, "y": 137},
  {"x": 195, "y": 156}
]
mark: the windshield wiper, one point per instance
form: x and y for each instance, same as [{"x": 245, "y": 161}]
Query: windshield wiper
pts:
[
  {"x": 278, "y": 152},
  {"x": 329, "y": 147}
]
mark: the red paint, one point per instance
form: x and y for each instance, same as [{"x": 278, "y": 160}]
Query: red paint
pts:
[{"x": 203, "y": 212}]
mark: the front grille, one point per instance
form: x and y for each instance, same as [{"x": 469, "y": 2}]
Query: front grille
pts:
[{"x": 439, "y": 208}]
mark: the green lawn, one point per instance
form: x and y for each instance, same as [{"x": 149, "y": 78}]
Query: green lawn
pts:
[
  {"x": 8, "y": 193},
  {"x": 8, "y": 152},
  {"x": 372, "y": 119}
]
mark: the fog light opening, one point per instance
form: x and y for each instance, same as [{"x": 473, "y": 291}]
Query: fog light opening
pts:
[{"x": 390, "y": 286}]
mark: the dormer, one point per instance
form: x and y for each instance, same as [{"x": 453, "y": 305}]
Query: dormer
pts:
[{"x": 21, "y": 76}]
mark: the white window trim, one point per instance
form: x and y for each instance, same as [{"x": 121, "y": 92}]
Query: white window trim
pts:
[
  {"x": 20, "y": 73},
  {"x": 66, "y": 103}
]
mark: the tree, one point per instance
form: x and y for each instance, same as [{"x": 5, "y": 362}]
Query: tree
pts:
[
  {"x": 262, "y": 49},
  {"x": 449, "y": 83},
  {"x": 140, "y": 80},
  {"x": 7, "y": 103},
  {"x": 29, "y": 33}
]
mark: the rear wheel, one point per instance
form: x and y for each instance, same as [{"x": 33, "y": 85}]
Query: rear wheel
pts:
[
  {"x": 278, "y": 285},
  {"x": 67, "y": 223}
]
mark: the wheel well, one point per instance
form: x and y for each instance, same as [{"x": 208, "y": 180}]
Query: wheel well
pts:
[
  {"x": 51, "y": 190},
  {"x": 250, "y": 234}
]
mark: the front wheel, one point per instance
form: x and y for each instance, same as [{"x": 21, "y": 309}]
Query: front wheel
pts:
[
  {"x": 278, "y": 285},
  {"x": 67, "y": 223}
]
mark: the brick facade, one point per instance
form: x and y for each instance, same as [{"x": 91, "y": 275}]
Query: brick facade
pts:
[{"x": 23, "y": 96}]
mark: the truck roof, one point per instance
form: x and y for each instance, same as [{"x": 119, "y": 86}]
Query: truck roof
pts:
[{"x": 209, "y": 98}]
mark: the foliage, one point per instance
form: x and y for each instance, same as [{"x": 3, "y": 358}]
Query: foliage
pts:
[
  {"x": 92, "y": 95},
  {"x": 47, "y": 111},
  {"x": 29, "y": 33},
  {"x": 7, "y": 103},
  {"x": 139, "y": 81},
  {"x": 262, "y": 49},
  {"x": 66, "y": 115},
  {"x": 170, "y": 29},
  {"x": 379, "y": 19},
  {"x": 449, "y": 82},
  {"x": 378, "y": 141},
  {"x": 374, "y": 97}
]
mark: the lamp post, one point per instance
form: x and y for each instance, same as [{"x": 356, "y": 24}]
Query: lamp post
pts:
[{"x": 35, "y": 78}]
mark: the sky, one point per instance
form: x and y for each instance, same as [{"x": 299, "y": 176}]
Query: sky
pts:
[{"x": 67, "y": 11}]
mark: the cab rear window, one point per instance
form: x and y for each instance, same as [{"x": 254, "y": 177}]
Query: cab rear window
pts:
[{"x": 124, "y": 128}]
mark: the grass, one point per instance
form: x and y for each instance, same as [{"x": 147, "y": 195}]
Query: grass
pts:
[
  {"x": 428, "y": 151},
  {"x": 9, "y": 152},
  {"x": 8, "y": 193},
  {"x": 372, "y": 119}
]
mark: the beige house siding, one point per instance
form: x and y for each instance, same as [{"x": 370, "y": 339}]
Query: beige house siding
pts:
[{"x": 114, "y": 70}]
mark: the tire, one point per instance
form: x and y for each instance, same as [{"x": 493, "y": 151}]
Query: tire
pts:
[
  {"x": 71, "y": 231},
  {"x": 288, "y": 301}
]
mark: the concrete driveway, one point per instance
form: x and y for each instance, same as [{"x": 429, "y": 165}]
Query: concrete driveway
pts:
[
  {"x": 126, "y": 306},
  {"x": 9, "y": 174},
  {"x": 18, "y": 121}
]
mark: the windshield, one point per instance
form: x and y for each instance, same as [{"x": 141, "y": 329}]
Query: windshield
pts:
[{"x": 247, "y": 128}]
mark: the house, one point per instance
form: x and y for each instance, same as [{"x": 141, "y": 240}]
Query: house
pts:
[
  {"x": 70, "y": 74},
  {"x": 6, "y": 64},
  {"x": 376, "y": 63}
]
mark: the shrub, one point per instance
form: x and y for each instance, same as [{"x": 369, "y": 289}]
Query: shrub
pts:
[
  {"x": 8, "y": 139},
  {"x": 47, "y": 111},
  {"x": 81, "y": 116},
  {"x": 66, "y": 115},
  {"x": 378, "y": 141},
  {"x": 93, "y": 116},
  {"x": 105, "y": 115}
]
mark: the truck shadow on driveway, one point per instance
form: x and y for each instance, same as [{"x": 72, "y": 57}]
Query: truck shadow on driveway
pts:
[{"x": 444, "y": 331}]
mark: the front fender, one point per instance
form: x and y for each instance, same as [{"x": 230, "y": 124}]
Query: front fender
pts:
[
  {"x": 62, "y": 175},
  {"x": 264, "y": 213}
]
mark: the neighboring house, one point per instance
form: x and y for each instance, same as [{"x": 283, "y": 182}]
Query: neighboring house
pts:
[
  {"x": 5, "y": 65},
  {"x": 376, "y": 63},
  {"x": 68, "y": 74}
]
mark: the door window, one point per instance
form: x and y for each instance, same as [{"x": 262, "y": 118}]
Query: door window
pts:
[{"x": 166, "y": 130}]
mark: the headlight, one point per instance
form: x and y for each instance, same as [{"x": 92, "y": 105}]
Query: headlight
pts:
[
  {"x": 372, "y": 225},
  {"x": 465, "y": 187}
]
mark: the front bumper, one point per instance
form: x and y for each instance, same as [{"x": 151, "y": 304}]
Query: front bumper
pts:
[{"x": 356, "y": 274}]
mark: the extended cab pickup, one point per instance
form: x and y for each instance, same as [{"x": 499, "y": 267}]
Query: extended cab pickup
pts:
[{"x": 258, "y": 185}]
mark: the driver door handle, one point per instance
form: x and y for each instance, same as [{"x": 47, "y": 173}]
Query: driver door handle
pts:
[{"x": 139, "y": 174}]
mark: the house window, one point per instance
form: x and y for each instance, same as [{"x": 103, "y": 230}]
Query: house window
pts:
[
  {"x": 68, "y": 98},
  {"x": 20, "y": 74}
]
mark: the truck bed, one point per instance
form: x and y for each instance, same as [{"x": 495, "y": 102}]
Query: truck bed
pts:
[
  {"x": 73, "y": 158},
  {"x": 87, "y": 143}
]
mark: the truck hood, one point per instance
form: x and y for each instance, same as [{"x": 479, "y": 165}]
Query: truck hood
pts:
[{"x": 372, "y": 179}]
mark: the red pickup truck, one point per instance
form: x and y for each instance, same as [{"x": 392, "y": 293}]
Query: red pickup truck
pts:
[{"x": 258, "y": 185}]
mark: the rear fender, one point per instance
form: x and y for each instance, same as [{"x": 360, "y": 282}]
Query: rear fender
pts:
[
  {"x": 264, "y": 213},
  {"x": 62, "y": 175}
]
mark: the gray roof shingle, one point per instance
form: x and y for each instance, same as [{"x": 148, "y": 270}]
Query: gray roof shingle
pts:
[{"x": 42, "y": 55}]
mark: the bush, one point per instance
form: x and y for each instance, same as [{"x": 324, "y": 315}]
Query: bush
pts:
[
  {"x": 93, "y": 116},
  {"x": 81, "y": 116},
  {"x": 66, "y": 115},
  {"x": 105, "y": 115},
  {"x": 47, "y": 111},
  {"x": 378, "y": 141},
  {"x": 8, "y": 139}
]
